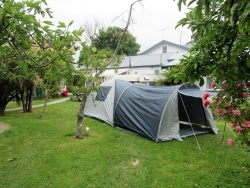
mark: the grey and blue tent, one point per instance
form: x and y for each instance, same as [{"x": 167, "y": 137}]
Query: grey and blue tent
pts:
[{"x": 158, "y": 113}]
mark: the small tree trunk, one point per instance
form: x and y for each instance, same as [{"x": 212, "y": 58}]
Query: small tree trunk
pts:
[
  {"x": 45, "y": 103},
  {"x": 23, "y": 101},
  {"x": 80, "y": 115},
  {"x": 30, "y": 98}
]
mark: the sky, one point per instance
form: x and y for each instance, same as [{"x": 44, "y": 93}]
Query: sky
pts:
[{"x": 153, "y": 20}]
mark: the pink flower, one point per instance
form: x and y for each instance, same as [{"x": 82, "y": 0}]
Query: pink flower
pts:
[
  {"x": 206, "y": 95},
  {"x": 215, "y": 101},
  {"x": 238, "y": 129},
  {"x": 218, "y": 111},
  {"x": 236, "y": 112},
  {"x": 238, "y": 85},
  {"x": 224, "y": 85},
  {"x": 245, "y": 95},
  {"x": 228, "y": 104},
  {"x": 230, "y": 142},
  {"x": 233, "y": 126},
  {"x": 247, "y": 124},
  {"x": 248, "y": 84},
  {"x": 213, "y": 85},
  {"x": 206, "y": 103}
]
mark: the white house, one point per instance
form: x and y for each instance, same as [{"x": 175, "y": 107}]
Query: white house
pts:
[
  {"x": 145, "y": 67},
  {"x": 166, "y": 47}
]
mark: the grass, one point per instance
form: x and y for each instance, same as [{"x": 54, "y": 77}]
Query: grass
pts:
[{"x": 42, "y": 153}]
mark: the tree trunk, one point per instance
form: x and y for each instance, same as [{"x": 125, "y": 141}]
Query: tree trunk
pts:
[
  {"x": 80, "y": 115},
  {"x": 30, "y": 98},
  {"x": 2, "y": 108},
  {"x": 23, "y": 101}
]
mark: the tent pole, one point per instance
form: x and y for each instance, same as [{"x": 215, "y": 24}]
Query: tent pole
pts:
[{"x": 190, "y": 122}]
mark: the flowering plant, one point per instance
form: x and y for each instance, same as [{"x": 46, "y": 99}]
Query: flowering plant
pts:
[
  {"x": 64, "y": 93},
  {"x": 232, "y": 105}
]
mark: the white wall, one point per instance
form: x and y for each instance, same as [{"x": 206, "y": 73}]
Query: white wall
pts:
[
  {"x": 170, "y": 48},
  {"x": 143, "y": 70}
]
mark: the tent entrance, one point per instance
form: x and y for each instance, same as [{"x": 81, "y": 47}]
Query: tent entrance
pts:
[
  {"x": 191, "y": 121},
  {"x": 186, "y": 130}
]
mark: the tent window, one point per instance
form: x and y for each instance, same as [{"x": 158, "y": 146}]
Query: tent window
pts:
[{"x": 103, "y": 93}]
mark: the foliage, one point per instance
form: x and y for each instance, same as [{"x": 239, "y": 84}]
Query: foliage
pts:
[
  {"x": 235, "y": 110},
  {"x": 91, "y": 63},
  {"x": 41, "y": 153},
  {"x": 30, "y": 49},
  {"x": 168, "y": 77},
  {"x": 107, "y": 39},
  {"x": 76, "y": 89},
  {"x": 221, "y": 31}
]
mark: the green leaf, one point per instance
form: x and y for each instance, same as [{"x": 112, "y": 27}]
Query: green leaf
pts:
[
  {"x": 48, "y": 22},
  {"x": 248, "y": 63},
  {"x": 191, "y": 2},
  {"x": 195, "y": 66},
  {"x": 198, "y": 12},
  {"x": 201, "y": 83},
  {"x": 70, "y": 23},
  {"x": 61, "y": 25},
  {"x": 49, "y": 12},
  {"x": 191, "y": 80},
  {"x": 94, "y": 49},
  {"x": 179, "y": 4},
  {"x": 182, "y": 22}
]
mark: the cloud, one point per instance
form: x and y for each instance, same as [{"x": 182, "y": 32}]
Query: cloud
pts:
[{"x": 150, "y": 18}]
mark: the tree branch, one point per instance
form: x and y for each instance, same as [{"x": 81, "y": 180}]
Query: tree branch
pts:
[{"x": 111, "y": 60}]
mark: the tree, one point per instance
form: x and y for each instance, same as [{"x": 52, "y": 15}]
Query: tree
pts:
[
  {"x": 221, "y": 51},
  {"x": 91, "y": 30},
  {"x": 29, "y": 49},
  {"x": 108, "y": 39},
  {"x": 94, "y": 61}
]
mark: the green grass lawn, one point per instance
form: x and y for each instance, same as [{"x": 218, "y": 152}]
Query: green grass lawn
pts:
[{"x": 42, "y": 153}]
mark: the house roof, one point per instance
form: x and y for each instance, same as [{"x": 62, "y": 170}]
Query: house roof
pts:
[
  {"x": 164, "y": 42},
  {"x": 174, "y": 59},
  {"x": 164, "y": 59}
]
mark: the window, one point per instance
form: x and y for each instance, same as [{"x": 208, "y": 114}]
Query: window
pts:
[
  {"x": 103, "y": 93},
  {"x": 164, "y": 49},
  {"x": 157, "y": 72}
]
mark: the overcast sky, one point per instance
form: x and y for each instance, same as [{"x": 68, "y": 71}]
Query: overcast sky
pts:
[{"x": 154, "y": 20}]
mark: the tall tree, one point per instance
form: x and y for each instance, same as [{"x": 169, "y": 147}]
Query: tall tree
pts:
[
  {"x": 221, "y": 30},
  {"x": 108, "y": 39},
  {"x": 94, "y": 62},
  {"x": 29, "y": 48}
]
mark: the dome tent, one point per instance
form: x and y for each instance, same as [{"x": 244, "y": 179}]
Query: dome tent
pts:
[{"x": 158, "y": 113}]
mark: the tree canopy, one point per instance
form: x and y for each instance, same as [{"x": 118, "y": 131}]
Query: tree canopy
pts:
[
  {"x": 221, "y": 46},
  {"x": 30, "y": 49},
  {"x": 221, "y": 30},
  {"x": 108, "y": 38}
]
